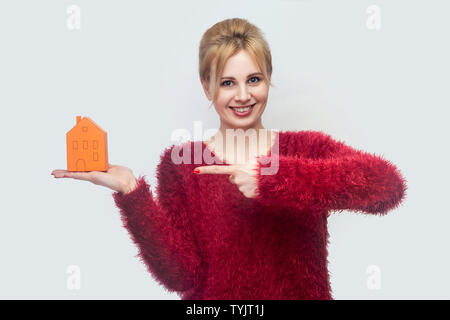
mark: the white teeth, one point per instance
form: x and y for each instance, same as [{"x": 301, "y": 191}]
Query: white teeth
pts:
[{"x": 242, "y": 109}]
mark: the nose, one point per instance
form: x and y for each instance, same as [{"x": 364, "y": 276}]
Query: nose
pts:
[{"x": 243, "y": 95}]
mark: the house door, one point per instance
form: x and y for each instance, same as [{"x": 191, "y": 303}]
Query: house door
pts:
[{"x": 81, "y": 165}]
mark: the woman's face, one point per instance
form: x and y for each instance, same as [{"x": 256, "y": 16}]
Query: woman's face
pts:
[{"x": 242, "y": 84}]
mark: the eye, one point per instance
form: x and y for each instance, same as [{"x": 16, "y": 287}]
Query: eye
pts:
[
  {"x": 255, "y": 78},
  {"x": 226, "y": 81}
]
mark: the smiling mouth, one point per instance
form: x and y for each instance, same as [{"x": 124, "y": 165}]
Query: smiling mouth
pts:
[{"x": 243, "y": 108}]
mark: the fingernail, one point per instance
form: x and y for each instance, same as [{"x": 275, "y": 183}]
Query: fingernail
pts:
[{"x": 196, "y": 171}]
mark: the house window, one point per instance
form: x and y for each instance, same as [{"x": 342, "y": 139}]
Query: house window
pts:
[
  {"x": 74, "y": 145},
  {"x": 85, "y": 129},
  {"x": 95, "y": 144},
  {"x": 85, "y": 144},
  {"x": 95, "y": 156}
]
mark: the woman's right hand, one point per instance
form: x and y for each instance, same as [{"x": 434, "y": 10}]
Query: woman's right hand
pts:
[{"x": 117, "y": 178}]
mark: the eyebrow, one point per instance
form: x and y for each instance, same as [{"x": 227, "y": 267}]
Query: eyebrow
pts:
[{"x": 251, "y": 74}]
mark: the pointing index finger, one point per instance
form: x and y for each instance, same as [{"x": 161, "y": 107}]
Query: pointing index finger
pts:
[{"x": 224, "y": 169}]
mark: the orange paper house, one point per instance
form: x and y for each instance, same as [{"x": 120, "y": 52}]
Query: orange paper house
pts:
[{"x": 87, "y": 147}]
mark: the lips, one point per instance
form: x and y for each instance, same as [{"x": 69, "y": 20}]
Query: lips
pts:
[{"x": 243, "y": 114}]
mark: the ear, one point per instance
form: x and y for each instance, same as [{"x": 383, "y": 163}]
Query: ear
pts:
[{"x": 205, "y": 85}]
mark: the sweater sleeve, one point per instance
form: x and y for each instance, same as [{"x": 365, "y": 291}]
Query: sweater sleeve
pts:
[
  {"x": 161, "y": 227},
  {"x": 334, "y": 177}
]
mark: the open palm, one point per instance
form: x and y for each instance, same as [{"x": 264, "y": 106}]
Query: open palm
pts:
[{"x": 117, "y": 178}]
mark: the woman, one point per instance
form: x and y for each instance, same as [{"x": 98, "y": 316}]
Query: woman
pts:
[{"x": 227, "y": 231}]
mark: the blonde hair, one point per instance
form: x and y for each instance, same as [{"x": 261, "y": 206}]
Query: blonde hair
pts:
[{"x": 225, "y": 39}]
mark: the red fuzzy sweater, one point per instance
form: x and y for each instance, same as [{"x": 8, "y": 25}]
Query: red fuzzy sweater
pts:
[{"x": 202, "y": 238}]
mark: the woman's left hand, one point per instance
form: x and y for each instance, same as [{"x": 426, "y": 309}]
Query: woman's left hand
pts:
[{"x": 244, "y": 176}]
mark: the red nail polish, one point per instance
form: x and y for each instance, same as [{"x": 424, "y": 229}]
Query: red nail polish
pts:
[{"x": 196, "y": 171}]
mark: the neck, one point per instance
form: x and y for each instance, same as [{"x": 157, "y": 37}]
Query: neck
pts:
[
  {"x": 260, "y": 131},
  {"x": 256, "y": 126}
]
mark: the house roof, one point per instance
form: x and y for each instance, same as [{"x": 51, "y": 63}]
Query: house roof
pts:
[{"x": 86, "y": 120}]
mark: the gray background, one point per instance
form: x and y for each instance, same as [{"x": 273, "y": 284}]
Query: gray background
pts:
[{"x": 132, "y": 68}]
